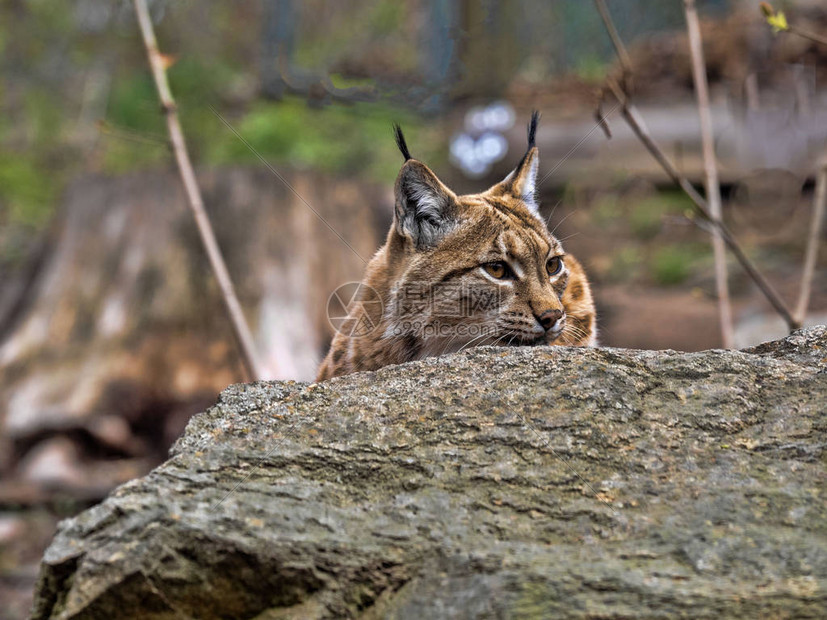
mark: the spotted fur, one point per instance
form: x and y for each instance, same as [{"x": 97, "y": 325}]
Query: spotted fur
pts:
[{"x": 437, "y": 295}]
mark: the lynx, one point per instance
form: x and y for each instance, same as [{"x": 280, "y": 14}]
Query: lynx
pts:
[{"x": 461, "y": 271}]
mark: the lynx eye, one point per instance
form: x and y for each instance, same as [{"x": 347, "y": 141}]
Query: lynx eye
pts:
[
  {"x": 554, "y": 265},
  {"x": 497, "y": 270}
]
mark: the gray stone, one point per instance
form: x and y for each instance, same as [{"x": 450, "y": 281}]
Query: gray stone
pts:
[{"x": 494, "y": 483}]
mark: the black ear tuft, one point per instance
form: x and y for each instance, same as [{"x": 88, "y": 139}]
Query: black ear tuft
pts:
[
  {"x": 425, "y": 209},
  {"x": 400, "y": 142},
  {"x": 532, "y": 128}
]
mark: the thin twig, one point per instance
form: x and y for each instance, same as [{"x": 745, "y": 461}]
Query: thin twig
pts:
[
  {"x": 620, "y": 49},
  {"x": 713, "y": 189},
  {"x": 632, "y": 118},
  {"x": 625, "y": 79},
  {"x": 121, "y": 133},
  {"x": 778, "y": 22},
  {"x": 196, "y": 204},
  {"x": 630, "y": 115},
  {"x": 806, "y": 34},
  {"x": 813, "y": 239}
]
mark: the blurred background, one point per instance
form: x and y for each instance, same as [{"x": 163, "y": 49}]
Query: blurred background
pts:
[{"x": 112, "y": 332}]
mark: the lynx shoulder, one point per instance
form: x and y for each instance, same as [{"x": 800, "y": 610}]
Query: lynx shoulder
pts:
[{"x": 461, "y": 271}]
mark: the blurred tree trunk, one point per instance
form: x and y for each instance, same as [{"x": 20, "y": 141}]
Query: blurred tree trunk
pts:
[
  {"x": 491, "y": 49},
  {"x": 277, "y": 39},
  {"x": 124, "y": 336},
  {"x": 438, "y": 55}
]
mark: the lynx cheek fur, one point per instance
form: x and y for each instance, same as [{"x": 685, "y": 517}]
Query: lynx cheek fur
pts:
[{"x": 460, "y": 271}]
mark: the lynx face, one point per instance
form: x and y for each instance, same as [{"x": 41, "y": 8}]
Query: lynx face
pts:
[{"x": 460, "y": 271}]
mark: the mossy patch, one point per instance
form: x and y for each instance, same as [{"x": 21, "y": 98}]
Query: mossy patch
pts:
[{"x": 674, "y": 264}]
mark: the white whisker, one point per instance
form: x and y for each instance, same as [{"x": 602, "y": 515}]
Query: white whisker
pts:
[
  {"x": 553, "y": 209},
  {"x": 563, "y": 220},
  {"x": 568, "y": 237}
]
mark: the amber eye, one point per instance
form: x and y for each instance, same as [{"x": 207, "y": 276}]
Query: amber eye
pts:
[
  {"x": 554, "y": 265},
  {"x": 497, "y": 270}
]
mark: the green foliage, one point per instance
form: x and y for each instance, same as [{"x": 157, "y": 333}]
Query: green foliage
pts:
[
  {"x": 625, "y": 265},
  {"x": 674, "y": 264},
  {"x": 674, "y": 201},
  {"x": 606, "y": 210},
  {"x": 44, "y": 117},
  {"x": 134, "y": 105},
  {"x": 29, "y": 182},
  {"x": 647, "y": 214},
  {"x": 27, "y": 191},
  {"x": 337, "y": 139},
  {"x": 645, "y": 218},
  {"x": 591, "y": 68},
  {"x": 134, "y": 101},
  {"x": 386, "y": 17},
  {"x": 192, "y": 80},
  {"x": 123, "y": 153},
  {"x": 339, "y": 31}
]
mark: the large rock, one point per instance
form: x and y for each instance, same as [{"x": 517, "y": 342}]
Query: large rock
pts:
[{"x": 525, "y": 482}]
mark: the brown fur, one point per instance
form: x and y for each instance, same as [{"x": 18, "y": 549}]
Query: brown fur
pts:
[{"x": 436, "y": 295}]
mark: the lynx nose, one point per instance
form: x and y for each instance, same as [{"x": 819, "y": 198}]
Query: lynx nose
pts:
[{"x": 550, "y": 319}]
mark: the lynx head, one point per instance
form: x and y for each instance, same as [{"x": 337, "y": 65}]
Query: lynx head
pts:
[{"x": 473, "y": 269}]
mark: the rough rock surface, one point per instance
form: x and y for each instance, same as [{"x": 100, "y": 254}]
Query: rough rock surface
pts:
[{"x": 522, "y": 483}]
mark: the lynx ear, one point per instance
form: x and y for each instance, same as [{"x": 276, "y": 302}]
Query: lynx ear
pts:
[
  {"x": 521, "y": 183},
  {"x": 426, "y": 210}
]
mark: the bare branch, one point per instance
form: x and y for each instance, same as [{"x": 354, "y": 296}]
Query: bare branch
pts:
[
  {"x": 632, "y": 118},
  {"x": 811, "y": 253},
  {"x": 713, "y": 189},
  {"x": 617, "y": 42},
  {"x": 778, "y": 22},
  {"x": 196, "y": 204},
  {"x": 806, "y": 34}
]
